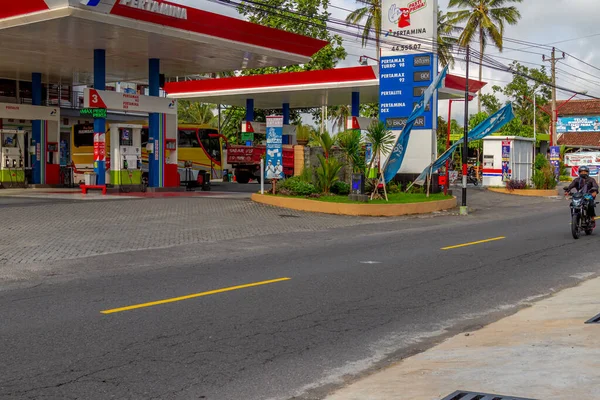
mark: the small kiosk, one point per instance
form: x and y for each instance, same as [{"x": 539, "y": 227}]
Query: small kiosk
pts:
[{"x": 507, "y": 158}]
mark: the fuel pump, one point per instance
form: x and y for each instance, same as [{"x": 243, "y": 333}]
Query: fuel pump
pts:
[
  {"x": 126, "y": 153},
  {"x": 12, "y": 167},
  {"x": 52, "y": 164}
]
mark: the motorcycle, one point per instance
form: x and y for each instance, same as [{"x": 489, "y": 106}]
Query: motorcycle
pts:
[
  {"x": 580, "y": 220},
  {"x": 472, "y": 176}
]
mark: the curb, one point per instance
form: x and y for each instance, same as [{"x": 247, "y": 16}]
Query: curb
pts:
[
  {"x": 363, "y": 210},
  {"x": 526, "y": 192}
]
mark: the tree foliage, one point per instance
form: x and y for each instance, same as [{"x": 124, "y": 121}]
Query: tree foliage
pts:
[
  {"x": 484, "y": 21},
  {"x": 196, "y": 113},
  {"x": 305, "y": 17}
]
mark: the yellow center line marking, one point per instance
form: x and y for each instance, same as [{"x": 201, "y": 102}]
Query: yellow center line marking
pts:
[
  {"x": 193, "y": 296},
  {"x": 473, "y": 243}
]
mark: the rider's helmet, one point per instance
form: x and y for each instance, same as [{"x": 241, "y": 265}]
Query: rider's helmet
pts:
[{"x": 584, "y": 171}]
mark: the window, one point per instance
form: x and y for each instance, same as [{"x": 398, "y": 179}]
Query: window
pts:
[
  {"x": 212, "y": 145},
  {"x": 188, "y": 138},
  {"x": 83, "y": 135}
]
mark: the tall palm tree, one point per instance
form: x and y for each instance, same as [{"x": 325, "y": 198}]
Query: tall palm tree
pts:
[
  {"x": 445, "y": 40},
  {"x": 484, "y": 20},
  {"x": 370, "y": 14},
  {"x": 339, "y": 115}
]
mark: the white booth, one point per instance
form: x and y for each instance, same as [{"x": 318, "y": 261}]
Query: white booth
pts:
[{"x": 507, "y": 158}]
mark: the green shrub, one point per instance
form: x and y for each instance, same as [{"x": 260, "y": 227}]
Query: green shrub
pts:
[
  {"x": 566, "y": 178},
  {"x": 340, "y": 188},
  {"x": 541, "y": 161},
  {"x": 544, "y": 178},
  {"x": 327, "y": 172},
  {"x": 393, "y": 187},
  {"x": 307, "y": 176},
  {"x": 297, "y": 187}
]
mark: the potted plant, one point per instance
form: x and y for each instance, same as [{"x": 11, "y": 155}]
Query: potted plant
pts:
[{"x": 303, "y": 134}]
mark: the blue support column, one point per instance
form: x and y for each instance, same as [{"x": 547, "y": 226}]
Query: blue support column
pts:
[
  {"x": 100, "y": 123},
  {"x": 286, "y": 121},
  {"x": 286, "y": 113},
  {"x": 355, "y": 104},
  {"x": 249, "y": 110},
  {"x": 37, "y": 136},
  {"x": 156, "y": 136}
]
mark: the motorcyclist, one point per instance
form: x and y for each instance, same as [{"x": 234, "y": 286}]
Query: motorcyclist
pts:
[{"x": 586, "y": 184}]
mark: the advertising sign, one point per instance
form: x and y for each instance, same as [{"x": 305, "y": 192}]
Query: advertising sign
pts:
[
  {"x": 368, "y": 153},
  {"x": 274, "y": 159},
  {"x": 555, "y": 159},
  {"x": 399, "y": 92},
  {"x": 99, "y": 146},
  {"x": 409, "y": 26},
  {"x": 506, "y": 160},
  {"x": 128, "y": 102},
  {"x": 25, "y": 111},
  {"x": 578, "y": 124}
]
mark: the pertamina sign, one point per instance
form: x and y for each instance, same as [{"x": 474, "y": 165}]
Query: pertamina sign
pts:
[
  {"x": 157, "y": 7},
  {"x": 409, "y": 26}
]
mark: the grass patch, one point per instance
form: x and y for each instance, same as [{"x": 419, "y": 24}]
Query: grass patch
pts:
[{"x": 394, "y": 198}]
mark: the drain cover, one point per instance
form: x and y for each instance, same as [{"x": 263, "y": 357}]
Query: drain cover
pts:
[
  {"x": 595, "y": 320},
  {"x": 463, "y": 395}
]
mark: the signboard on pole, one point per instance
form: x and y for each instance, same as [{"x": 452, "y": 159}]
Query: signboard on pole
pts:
[
  {"x": 128, "y": 102},
  {"x": 506, "y": 160},
  {"x": 399, "y": 92},
  {"x": 274, "y": 158},
  {"x": 409, "y": 26},
  {"x": 555, "y": 159}
]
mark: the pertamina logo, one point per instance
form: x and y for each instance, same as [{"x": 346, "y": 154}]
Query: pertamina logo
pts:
[
  {"x": 90, "y": 3},
  {"x": 401, "y": 15}
]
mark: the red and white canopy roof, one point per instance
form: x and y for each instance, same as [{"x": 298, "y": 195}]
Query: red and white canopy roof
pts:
[
  {"x": 57, "y": 38},
  {"x": 301, "y": 89}
]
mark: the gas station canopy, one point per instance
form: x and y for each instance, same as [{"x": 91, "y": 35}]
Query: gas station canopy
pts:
[
  {"x": 301, "y": 89},
  {"x": 57, "y": 38}
]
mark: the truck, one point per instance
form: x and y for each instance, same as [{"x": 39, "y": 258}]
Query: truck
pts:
[{"x": 245, "y": 161}]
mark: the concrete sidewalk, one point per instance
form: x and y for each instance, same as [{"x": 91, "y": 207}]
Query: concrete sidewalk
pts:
[{"x": 544, "y": 352}]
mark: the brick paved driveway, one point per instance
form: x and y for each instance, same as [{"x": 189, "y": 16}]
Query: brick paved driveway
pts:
[{"x": 36, "y": 233}]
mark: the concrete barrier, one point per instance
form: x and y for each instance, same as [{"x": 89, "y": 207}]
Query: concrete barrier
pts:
[{"x": 356, "y": 209}]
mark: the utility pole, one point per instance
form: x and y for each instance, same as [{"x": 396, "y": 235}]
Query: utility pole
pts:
[
  {"x": 465, "y": 169},
  {"x": 553, "y": 60}
]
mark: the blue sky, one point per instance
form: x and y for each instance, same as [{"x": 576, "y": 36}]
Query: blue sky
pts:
[{"x": 570, "y": 22}]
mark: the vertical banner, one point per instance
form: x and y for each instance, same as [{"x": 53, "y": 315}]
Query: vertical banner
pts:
[
  {"x": 274, "y": 159},
  {"x": 99, "y": 146},
  {"x": 506, "y": 160},
  {"x": 555, "y": 159},
  {"x": 368, "y": 153}
]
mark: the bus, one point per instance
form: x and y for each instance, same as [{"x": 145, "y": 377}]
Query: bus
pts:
[{"x": 199, "y": 144}]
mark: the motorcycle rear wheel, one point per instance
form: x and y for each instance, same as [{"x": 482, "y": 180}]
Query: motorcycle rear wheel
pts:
[{"x": 575, "y": 225}]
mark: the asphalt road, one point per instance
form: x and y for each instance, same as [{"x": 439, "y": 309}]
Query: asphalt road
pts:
[{"x": 357, "y": 298}]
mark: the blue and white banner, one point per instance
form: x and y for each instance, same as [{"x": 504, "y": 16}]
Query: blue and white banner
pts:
[
  {"x": 486, "y": 128},
  {"x": 578, "y": 124},
  {"x": 394, "y": 162},
  {"x": 274, "y": 158}
]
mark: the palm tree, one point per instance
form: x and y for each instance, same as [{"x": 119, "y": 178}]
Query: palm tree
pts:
[
  {"x": 196, "y": 113},
  {"x": 370, "y": 12},
  {"x": 445, "y": 41},
  {"x": 485, "y": 20},
  {"x": 339, "y": 115}
]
